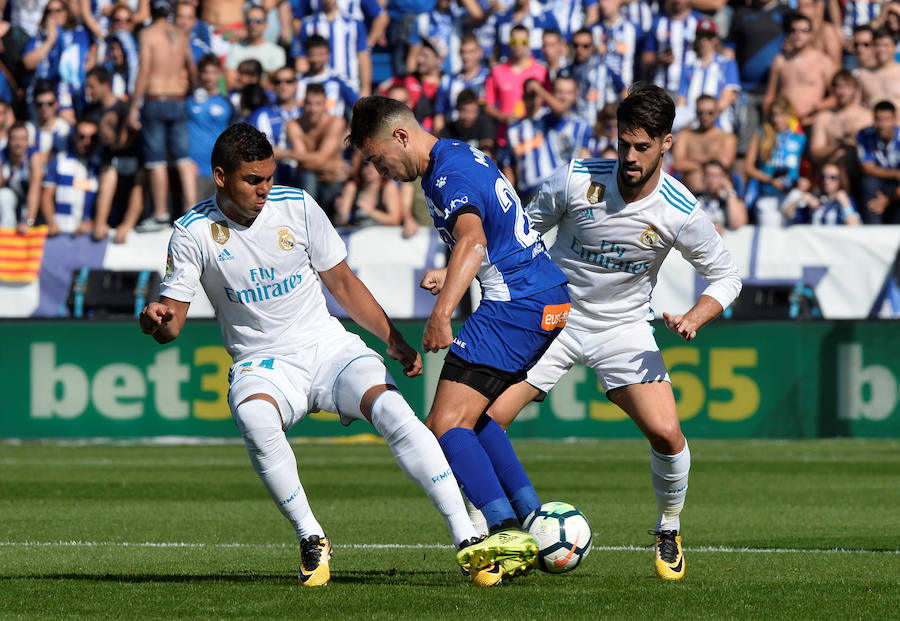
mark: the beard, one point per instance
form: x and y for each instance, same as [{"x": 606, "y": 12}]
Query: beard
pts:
[{"x": 627, "y": 181}]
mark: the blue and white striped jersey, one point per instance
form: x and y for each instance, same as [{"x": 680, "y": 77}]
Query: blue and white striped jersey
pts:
[
  {"x": 462, "y": 179},
  {"x": 569, "y": 14},
  {"x": 536, "y": 21},
  {"x": 538, "y": 146},
  {"x": 611, "y": 251},
  {"x": 345, "y": 34},
  {"x": 448, "y": 27},
  {"x": 873, "y": 149},
  {"x": 677, "y": 36},
  {"x": 597, "y": 85},
  {"x": 859, "y": 13},
  {"x": 619, "y": 42},
  {"x": 450, "y": 88},
  {"x": 712, "y": 80},
  {"x": 272, "y": 121},
  {"x": 366, "y": 10},
  {"x": 261, "y": 280},
  {"x": 339, "y": 94},
  {"x": 50, "y": 140},
  {"x": 76, "y": 182}
]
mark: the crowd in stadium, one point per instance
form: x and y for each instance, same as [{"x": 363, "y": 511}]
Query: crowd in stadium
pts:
[{"x": 787, "y": 111}]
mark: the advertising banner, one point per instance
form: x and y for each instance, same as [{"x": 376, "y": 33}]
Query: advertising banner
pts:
[{"x": 69, "y": 379}]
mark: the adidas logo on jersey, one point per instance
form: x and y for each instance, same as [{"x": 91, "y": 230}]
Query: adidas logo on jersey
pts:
[{"x": 225, "y": 255}]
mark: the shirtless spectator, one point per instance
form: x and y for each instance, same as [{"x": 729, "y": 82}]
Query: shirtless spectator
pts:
[
  {"x": 882, "y": 82},
  {"x": 803, "y": 74},
  {"x": 226, "y": 18},
  {"x": 862, "y": 46},
  {"x": 826, "y": 37},
  {"x": 269, "y": 55},
  {"x": 321, "y": 136},
  {"x": 695, "y": 146},
  {"x": 162, "y": 86}
]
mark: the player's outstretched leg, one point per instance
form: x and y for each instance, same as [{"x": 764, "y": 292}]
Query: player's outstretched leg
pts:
[
  {"x": 515, "y": 482},
  {"x": 670, "y": 482},
  {"x": 274, "y": 462}
]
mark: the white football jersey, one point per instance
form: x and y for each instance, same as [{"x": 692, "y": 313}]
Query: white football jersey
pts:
[
  {"x": 262, "y": 280},
  {"x": 611, "y": 250}
]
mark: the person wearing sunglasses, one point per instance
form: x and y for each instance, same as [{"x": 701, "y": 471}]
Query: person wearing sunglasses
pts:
[
  {"x": 70, "y": 185},
  {"x": 49, "y": 132},
  {"x": 270, "y": 55},
  {"x": 827, "y": 205},
  {"x": 598, "y": 86},
  {"x": 803, "y": 75},
  {"x": 533, "y": 17},
  {"x": 861, "y": 49},
  {"x": 826, "y": 36}
]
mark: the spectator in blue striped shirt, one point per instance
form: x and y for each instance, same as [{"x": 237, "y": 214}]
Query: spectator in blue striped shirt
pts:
[
  {"x": 339, "y": 93},
  {"x": 879, "y": 153},
  {"x": 597, "y": 84},
  {"x": 572, "y": 15},
  {"x": 71, "y": 183},
  {"x": 530, "y": 15},
  {"x": 670, "y": 44},
  {"x": 616, "y": 39},
  {"x": 472, "y": 76}
]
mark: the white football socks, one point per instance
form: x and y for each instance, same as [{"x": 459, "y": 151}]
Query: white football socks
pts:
[
  {"x": 274, "y": 462},
  {"x": 420, "y": 456},
  {"x": 670, "y": 482}
]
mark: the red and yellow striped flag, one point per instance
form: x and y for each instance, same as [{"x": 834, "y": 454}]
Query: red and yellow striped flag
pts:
[{"x": 20, "y": 255}]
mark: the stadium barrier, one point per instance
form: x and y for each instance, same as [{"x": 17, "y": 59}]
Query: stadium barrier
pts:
[{"x": 71, "y": 379}]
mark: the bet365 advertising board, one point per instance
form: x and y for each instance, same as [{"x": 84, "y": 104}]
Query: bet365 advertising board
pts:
[{"x": 66, "y": 379}]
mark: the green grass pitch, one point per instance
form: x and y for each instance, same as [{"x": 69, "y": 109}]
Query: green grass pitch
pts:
[{"x": 772, "y": 530}]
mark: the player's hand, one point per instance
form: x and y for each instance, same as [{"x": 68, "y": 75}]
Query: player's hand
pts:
[
  {"x": 154, "y": 316},
  {"x": 681, "y": 326},
  {"x": 403, "y": 353},
  {"x": 433, "y": 280},
  {"x": 438, "y": 335}
]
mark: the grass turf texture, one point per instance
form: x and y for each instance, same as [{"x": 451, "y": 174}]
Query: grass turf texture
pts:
[{"x": 151, "y": 532}]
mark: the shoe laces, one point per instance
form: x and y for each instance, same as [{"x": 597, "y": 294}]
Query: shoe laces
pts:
[
  {"x": 470, "y": 542},
  {"x": 311, "y": 551},
  {"x": 665, "y": 541}
]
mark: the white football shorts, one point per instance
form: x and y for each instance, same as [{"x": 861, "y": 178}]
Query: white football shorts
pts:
[
  {"x": 624, "y": 355},
  {"x": 305, "y": 382}
]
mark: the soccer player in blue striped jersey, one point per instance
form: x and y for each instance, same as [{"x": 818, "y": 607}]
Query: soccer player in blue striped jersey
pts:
[
  {"x": 617, "y": 221},
  {"x": 261, "y": 254},
  {"x": 524, "y": 305}
]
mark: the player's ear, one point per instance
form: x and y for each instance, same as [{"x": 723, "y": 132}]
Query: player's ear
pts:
[
  {"x": 219, "y": 176},
  {"x": 401, "y": 135},
  {"x": 667, "y": 143}
]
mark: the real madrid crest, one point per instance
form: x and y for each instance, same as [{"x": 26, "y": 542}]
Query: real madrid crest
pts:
[
  {"x": 595, "y": 192},
  {"x": 649, "y": 237},
  {"x": 285, "y": 240},
  {"x": 219, "y": 231}
]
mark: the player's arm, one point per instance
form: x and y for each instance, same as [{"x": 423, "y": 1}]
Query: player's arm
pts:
[
  {"x": 465, "y": 260},
  {"x": 699, "y": 243},
  {"x": 355, "y": 298},
  {"x": 164, "y": 320}
]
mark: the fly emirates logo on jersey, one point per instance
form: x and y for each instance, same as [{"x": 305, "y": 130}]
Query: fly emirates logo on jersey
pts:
[
  {"x": 609, "y": 255},
  {"x": 265, "y": 284}
]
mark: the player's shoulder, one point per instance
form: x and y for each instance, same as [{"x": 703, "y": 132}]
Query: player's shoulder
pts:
[
  {"x": 593, "y": 167},
  {"x": 675, "y": 195},
  {"x": 197, "y": 215},
  {"x": 285, "y": 193}
]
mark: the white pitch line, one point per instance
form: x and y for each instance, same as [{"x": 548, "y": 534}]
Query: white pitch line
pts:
[{"x": 408, "y": 546}]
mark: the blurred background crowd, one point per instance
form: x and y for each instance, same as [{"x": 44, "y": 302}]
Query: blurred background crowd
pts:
[{"x": 786, "y": 111}]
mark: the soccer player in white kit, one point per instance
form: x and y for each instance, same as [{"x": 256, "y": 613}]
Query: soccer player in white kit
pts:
[
  {"x": 617, "y": 221},
  {"x": 260, "y": 253}
]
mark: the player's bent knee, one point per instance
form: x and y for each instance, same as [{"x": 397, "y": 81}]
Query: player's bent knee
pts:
[{"x": 353, "y": 384}]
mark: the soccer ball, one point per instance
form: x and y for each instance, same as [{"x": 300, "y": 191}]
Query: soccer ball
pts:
[{"x": 563, "y": 535}]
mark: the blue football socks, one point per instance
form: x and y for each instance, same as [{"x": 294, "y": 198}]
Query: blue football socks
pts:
[{"x": 507, "y": 466}]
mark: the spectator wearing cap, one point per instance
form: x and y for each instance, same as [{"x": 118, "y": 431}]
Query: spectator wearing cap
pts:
[
  {"x": 346, "y": 35},
  {"x": 879, "y": 153},
  {"x": 712, "y": 74},
  {"x": 340, "y": 95},
  {"x": 533, "y": 17},
  {"x": 159, "y": 110},
  {"x": 423, "y": 84},
  {"x": 616, "y": 39},
  {"x": 802, "y": 73},
  {"x": 472, "y": 76},
  {"x": 505, "y": 86},
  {"x": 269, "y": 55}
]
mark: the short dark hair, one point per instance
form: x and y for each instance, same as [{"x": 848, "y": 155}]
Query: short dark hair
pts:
[
  {"x": 207, "y": 60},
  {"x": 518, "y": 28},
  {"x": 101, "y": 74},
  {"x": 316, "y": 40},
  {"x": 844, "y": 75},
  {"x": 793, "y": 18},
  {"x": 251, "y": 66},
  {"x": 882, "y": 33},
  {"x": 646, "y": 107},
  {"x": 466, "y": 96},
  {"x": 705, "y": 97},
  {"x": 884, "y": 104},
  {"x": 714, "y": 163},
  {"x": 240, "y": 143},
  {"x": 316, "y": 88},
  {"x": 371, "y": 115},
  {"x": 42, "y": 87},
  {"x": 253, "y": 96}
]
